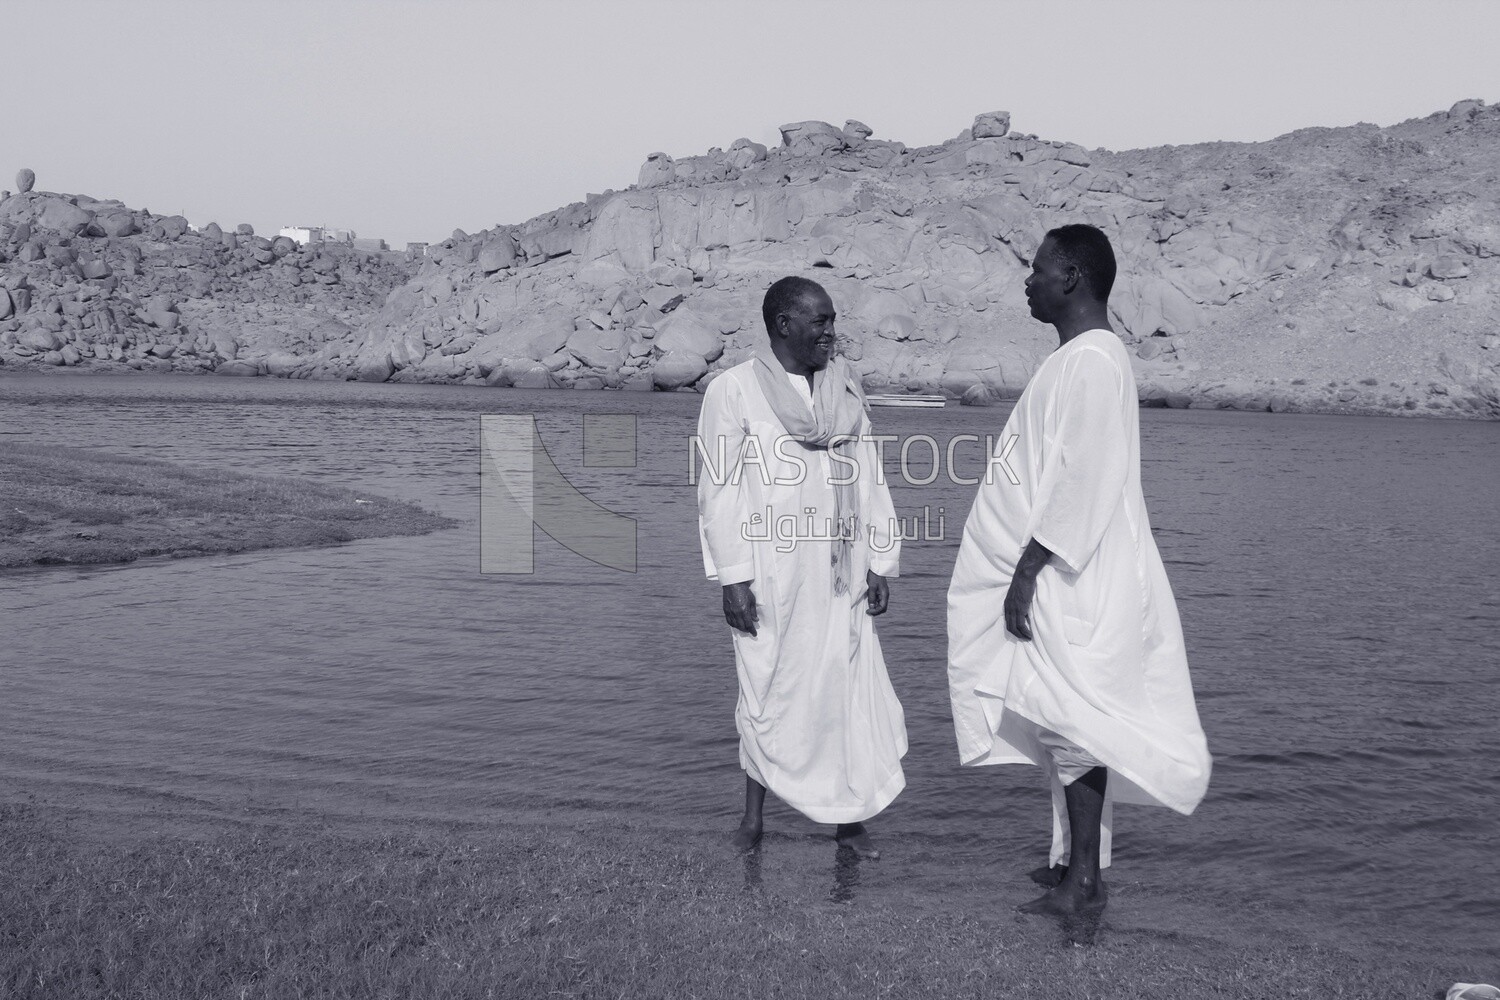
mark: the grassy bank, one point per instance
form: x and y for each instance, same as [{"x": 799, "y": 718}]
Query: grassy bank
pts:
[
  {"x": 67, "y": 505},
  {"x": 538, "y": 912}
]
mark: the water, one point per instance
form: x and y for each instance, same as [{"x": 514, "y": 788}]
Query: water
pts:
[{"x": 1336, "y": 578}]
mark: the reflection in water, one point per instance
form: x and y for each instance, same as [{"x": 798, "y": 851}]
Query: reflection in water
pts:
[
  {"x": 752, "y": 869},
  {"x": 1082, "y": 930},
  {"x": 845, "y": 875}
]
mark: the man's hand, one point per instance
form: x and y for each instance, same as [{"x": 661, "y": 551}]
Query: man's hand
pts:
[
  {"x": 1023, "y": 589},
  {"x": 1018, "y": 605},
  {"x": 739, "y": 607},
  {"x": 879, "y": 593}
]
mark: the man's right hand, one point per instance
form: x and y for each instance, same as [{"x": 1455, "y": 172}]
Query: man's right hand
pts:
[{"x": 739, "y": 607}]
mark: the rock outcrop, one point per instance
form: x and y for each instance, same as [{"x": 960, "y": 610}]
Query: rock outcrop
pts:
[
  {"x": 94, "y": 283},
  {"x": 1347, "y": 270},
  {"x": 1332, "y": 269}
]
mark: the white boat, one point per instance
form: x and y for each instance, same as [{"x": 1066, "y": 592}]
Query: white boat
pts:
[{"x": 907, "y": 399}]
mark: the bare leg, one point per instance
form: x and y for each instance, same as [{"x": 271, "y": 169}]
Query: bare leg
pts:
[
  {"x": 1081, "y": 889},
  {"x": 1048, "y": 876},
  {"x": 748, "y": 835},
  {"x": 857, "y": 838}
]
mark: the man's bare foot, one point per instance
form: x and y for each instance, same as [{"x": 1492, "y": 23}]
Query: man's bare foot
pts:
[
  {"x": 1071, "y": 897},
  {"x": 747, "y": 837},
  {"x": 855, "y": 837},
  {"x": 1047, "y": 877}
]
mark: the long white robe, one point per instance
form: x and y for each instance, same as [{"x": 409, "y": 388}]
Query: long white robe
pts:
[
  {"x": 819, "y": 723},
  {"x": 1106, "y": 668}
]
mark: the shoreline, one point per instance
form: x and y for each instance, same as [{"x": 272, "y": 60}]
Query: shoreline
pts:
[
  {"x": 600, "y": 910},
  {"x": 75, "y": 506},
  {"x": 1151, "y": 394}
]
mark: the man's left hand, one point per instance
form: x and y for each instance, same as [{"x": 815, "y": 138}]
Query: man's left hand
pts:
[
  {"x": 1018, "y": 605},
  {"x": 879, "y": 593}
]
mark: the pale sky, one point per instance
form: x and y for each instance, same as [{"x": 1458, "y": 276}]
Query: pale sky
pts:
[{"x": 404, "y": 119}]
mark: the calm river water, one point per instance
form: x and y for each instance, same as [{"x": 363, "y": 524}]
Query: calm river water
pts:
[{"x": 1337, "y": 579}]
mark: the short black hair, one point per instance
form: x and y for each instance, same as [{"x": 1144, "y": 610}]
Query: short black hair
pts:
[
  {"x": 782, "y": 295},
  {"x": 1088, "y": 249}
]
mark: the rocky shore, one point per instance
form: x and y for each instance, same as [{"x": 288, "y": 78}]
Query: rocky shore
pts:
[
  {"x": 94, "y": 284},
  {"x": 1348, "y": 270}
]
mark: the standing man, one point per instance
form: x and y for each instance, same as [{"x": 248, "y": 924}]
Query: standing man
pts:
[
  {"x": 797, "y": 526},
  {"x": 1064, "y": 646}
]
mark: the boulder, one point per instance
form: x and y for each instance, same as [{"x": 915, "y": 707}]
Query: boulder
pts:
[
  {"x": 115, "y": 224},
  {"x": 691, "y": 333},
  {"x": 63, "y": 216},
  {"x": 677, "y": 369},
  {"x": 41, "y": 340},
  {"x": 25, "y": 179},
  {"x": 174, "y": 227},
  {"x": 812, "y": 138},
  {"x": 637, "y": 382},
  {"x": 596, "y": 348},
  {"x": 237, "y": 369},
  {"x": 536, "y": 377},
  {"x": 163, "y": 316},
  {"x": 979, "y": 394},
  {"x": 744, "y": 154},
  {"x": 377, "y": 369},
  {"x": 245, "y": 229},
  {"x": 991, "y": 125},
  {"x": 658, "y": 169},
  {"x": 1448, "y": 267},
  {"x": 282, "y": 364},
  {"x": 498, "y": 255},
  {"x": 857, "y": 131}
]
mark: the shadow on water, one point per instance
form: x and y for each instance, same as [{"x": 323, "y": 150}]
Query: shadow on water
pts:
[{"x": 846, "y": 863}]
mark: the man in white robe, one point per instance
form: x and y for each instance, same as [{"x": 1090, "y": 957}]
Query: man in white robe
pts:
[
  {"x": 797, "y": 526},
  {"x": 1064, "y": 645}
]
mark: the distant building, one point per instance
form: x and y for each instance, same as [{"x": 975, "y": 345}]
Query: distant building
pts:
[
  {"x": 303, "y": 234},
  {"x": 325, "y": 234}
]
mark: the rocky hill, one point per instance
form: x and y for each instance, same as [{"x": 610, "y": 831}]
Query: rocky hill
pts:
[
  {"x": 1338, "y": 270},
  {"x": 96, "y": 284}
]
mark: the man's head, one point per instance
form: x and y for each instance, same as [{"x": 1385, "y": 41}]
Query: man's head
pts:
[
  {"x": 799, "y": 319},
  {"x": 1074, "y": 268}
]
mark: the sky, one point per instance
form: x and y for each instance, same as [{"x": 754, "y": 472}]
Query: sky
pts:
[{"x": 404, "y": 120}]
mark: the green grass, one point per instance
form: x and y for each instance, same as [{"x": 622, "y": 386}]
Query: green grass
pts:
[
  {"x": 68, "y": 505},
  {"x": 546, "y": 912}
]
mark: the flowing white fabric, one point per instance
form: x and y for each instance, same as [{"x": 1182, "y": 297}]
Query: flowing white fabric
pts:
[
  {"x": 1106, "y": 669},
  {"x": 819, "y": 723}
]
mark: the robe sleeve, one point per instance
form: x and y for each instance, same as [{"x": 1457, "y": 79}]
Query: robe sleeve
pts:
[
  {"x": 1083, "y": 479},
  {"x": 878, "y": 514},
  {"x": 723, "y": 500}
]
